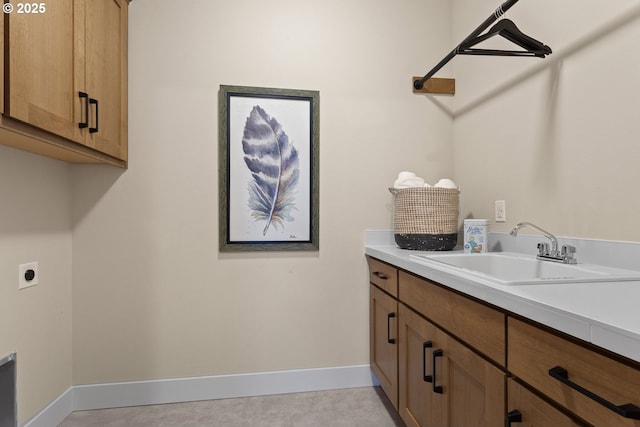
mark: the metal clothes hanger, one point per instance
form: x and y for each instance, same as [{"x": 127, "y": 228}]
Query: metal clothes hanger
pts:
[{"x": 506, "y": 28}]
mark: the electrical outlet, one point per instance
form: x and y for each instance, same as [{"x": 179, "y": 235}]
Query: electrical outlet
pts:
[
  {"x": 501, "y": 211},
  {"x": 27, "y": 275}
]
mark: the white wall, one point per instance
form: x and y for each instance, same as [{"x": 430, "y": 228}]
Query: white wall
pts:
[
  {"x": 35, "y": 225},
  {"x": 556, "y": 138},
  {"x": 153, "y": 297}
]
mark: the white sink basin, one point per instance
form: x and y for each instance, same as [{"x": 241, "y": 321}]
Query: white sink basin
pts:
[{"x": 508, "y": 268}]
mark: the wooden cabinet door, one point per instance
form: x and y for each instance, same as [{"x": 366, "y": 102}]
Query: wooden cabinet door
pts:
[
  {"x": 42, "y": 69},
  {"x": 443, "y": 383},
  {"x": 473, "y": 389},
  {"x": 419, "y": 406},
  {"x": 528, "y": 410},
  {"x": 383, "y": 330},
  {"x": 105, "y": 50}
]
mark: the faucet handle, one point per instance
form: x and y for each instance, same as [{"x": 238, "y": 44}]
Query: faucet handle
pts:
[
  {"x": 543, "y": 248},
  {"x": 567, "y": 254},
  {"x": 568, "y": 251}
]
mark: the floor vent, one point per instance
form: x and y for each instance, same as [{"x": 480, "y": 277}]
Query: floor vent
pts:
[{"x": 8, "y": 407}]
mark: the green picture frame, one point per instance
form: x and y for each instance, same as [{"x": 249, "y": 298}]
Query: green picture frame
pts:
[{"x": 268, "y": 169}]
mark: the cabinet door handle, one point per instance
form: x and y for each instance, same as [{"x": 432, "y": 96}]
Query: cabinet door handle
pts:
[
  {"x": 389, "y": 339},
  {"x": 94, "y": 102},
  {"x": 628, "y": 410},
  {"x": 436, "y": 388},
  {"x": 84, "y": 124},
  {"x": 425, "y": 346},
  {"x": 514, "y": 417},
  {"x": 381, "y": 276}
]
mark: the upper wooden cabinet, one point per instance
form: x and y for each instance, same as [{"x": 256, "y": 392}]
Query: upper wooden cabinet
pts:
[
  {"x": 105, "y": 71},
  {"x": 66, "y": 77},
  {"x": 42, "y": 68}
]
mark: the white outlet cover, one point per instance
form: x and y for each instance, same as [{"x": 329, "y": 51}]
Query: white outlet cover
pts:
[
  {"x": 22, "y": 269},
  {"x": 501, "y": 211}
]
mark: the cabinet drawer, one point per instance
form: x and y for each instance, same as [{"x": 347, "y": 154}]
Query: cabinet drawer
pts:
[
  {"x": 480, "y": 326},
  {"x": 589, "y": 384},
  {"x": 532, "y": 410},
  {"x": 383, "y": 275}
]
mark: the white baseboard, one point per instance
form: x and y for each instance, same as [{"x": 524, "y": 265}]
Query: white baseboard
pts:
[
  {"x": 134, "y": 393},
  {"x": 55, "y": 412}
]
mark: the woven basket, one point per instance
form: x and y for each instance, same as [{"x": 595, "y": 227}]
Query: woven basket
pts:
[{"x": 425, "y": 218}]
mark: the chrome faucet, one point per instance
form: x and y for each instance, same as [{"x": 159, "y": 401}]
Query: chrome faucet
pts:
[{"x": 565, "y": 255}]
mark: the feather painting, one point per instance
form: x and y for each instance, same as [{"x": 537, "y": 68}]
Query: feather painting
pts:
[{"x": 274, "y": 165}]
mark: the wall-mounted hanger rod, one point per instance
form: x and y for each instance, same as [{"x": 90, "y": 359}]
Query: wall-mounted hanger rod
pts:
[{"x": 418, "y": 84}]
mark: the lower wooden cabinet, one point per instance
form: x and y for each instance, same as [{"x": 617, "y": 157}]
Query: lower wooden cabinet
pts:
[
  {"x": 418, "y": 405},
  {"x": 445, "y": 359},
  {"x": 432, "y": 378},
  {"x": 473, "y": 388},
  {"x": 383, "y": 331},
  {"x": 525, "y": 409},
  {"x": 594, "y": 386},
  {"x": 384, "y": 276},
  {"x": 442, "y": 383},
  {"x": 480, "y": 326}
]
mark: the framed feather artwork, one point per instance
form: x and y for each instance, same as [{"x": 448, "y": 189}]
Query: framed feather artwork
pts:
[{"x": 268, "y": 169}]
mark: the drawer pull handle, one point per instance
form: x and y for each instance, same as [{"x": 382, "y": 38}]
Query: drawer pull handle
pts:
[
  {"x": 389, "y": 339},
  {"x": 426, "y": 378},
  {"x": 94, "y": 102},
  {"x": 380, "y": 276},
  {"x": 627, "y": 411},
  {"x": 514, "y": 417},
  {"x": 85, "y": 96},
  {"x": 436, "y": 388}
]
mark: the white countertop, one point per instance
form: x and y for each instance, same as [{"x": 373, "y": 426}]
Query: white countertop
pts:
[{"x": 606, "y": 314}]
